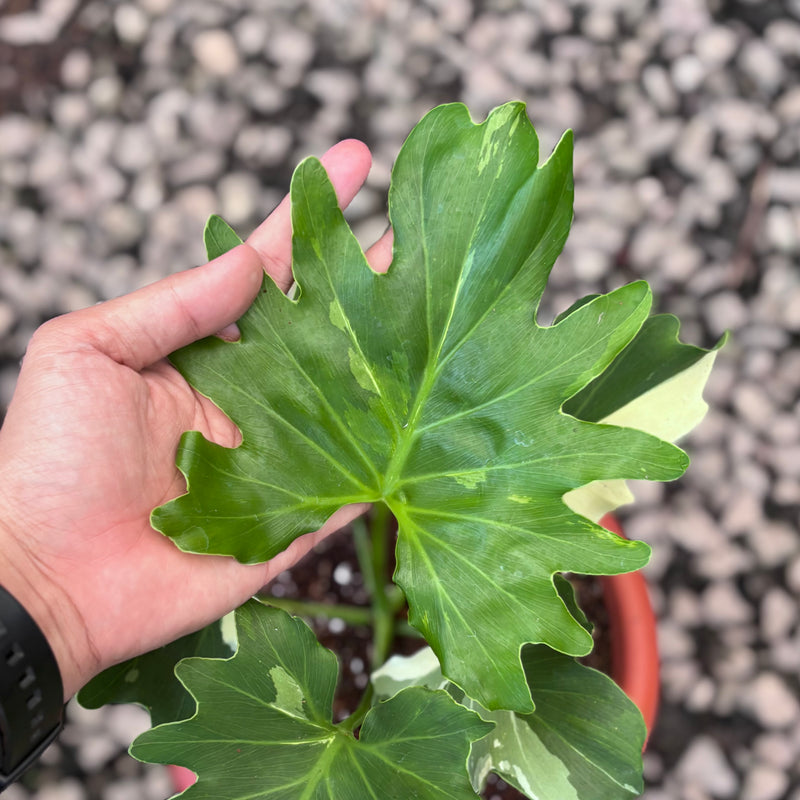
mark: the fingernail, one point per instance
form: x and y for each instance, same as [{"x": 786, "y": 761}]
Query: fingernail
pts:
[{"x": 230, "y": 333}]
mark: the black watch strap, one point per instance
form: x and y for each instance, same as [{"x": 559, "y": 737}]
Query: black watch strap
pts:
[{"x": 31, "y": 692}]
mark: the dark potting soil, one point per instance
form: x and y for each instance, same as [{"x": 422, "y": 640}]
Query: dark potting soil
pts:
[{"x": 330, "y": 574}]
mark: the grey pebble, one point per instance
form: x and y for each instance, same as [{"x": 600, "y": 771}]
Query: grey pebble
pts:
[
  {"x": 793, "y": 575},
  {"x": 201, "y": 167},
  {"x": 782, "y": 229},
  {"x": 688, "y": 73},
  {"x": 19, "y": 136},
  {"x": 702, "y": 696},
  {"x": 264, "y": 145},
  {"x": 760, "y": 62},
  {"x": 725, "y": 562},
  {"x": 738, "y": 665},
  {"x": 684, "y": 607},
  {"x": 783, "y": 185},
  {"x": 696, "y": 531},
  {"x": 106, "y": 93},
  {"x": 216, "y": 52},
  {"x": 784, "y": 654},
  {"x": 131, "y": 23},
  {"x": 725, "y": 311},
  {"x": 780, "y": 614},
  {"x": 239, "y": 194},
  {"x": 787, "y": 106},
  {"x": 722, "y": 605},
  {"x": 674, "y": 643},
  {"x": 771, "y": 701},
  {"x": 785, "y": 459},
  {"x": 784, "y": 36},
  {"x": 65, "y": 789},
  {"x": 773, "y": 542},
  {"x": 125, "y": 722},
  {"x": 716, "y": 45},
  {"x": 765, "y": 782},
  {"x": 705, "y": 766},
  {"x": 776, "y": 749},
  {"x": 135, "y": 148},
  {"x": 786, "y": 491},
  {"x": 753, "y": 405},
  {"x": 15, "y": 792}
]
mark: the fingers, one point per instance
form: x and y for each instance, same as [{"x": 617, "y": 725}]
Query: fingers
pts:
[
  {"x": 143, "y": 327},
  {"x": 379, "y": 255},
  {"x": 347, "y": 164},
  {"x": 301, "y": 546}
]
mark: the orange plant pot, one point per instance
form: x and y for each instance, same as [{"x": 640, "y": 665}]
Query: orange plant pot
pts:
[
  {"x": 634, "y": 641},
  {"x": 634, "y": 646}
]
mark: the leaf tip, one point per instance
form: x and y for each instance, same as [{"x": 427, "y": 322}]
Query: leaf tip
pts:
[{"x": 219, "y": 237}]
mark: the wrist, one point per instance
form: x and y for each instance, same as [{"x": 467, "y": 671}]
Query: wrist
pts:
[
  {"x": 31, "y": 695},
  {"x": 51, "y": 609}
]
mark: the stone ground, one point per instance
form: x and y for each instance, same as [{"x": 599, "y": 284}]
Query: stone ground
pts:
[{"x": 124, "y": 124}]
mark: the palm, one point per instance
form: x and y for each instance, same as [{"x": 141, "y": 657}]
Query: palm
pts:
[
  {"x": 126, "y": 444},
  {"x": 107, "y": 445},
  {"x": 89, "y": 450}
]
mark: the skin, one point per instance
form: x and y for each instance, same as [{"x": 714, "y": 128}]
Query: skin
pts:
[{"x": 88, "y": 448}]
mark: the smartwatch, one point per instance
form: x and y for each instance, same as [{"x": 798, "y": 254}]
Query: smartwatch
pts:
[{"x": 31, "y": 692}]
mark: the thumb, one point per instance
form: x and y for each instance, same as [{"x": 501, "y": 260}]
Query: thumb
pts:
[{"x": 145, "y": 326}]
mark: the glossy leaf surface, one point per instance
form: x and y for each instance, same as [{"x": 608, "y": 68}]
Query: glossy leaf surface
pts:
[
  {"x": 584, "y": 740},
  {"x": 432, "y": 389},
  {"x": 263, "y": 727}
]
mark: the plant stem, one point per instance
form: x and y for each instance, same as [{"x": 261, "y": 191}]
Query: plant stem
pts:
[
  {"x": 352, "y": 615},
  {"x": 382, "y": 609},
  {"x": 364, "y": 553},
  {"x": 357, "y": 717},
  {"x": 373, "y": 556}
]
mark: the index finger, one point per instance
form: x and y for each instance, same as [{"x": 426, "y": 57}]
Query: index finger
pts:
[
  {"x": 347, "y": 164},
  {"x": 139, "y": 329}
]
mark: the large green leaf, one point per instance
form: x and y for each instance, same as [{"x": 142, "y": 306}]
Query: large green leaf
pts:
[
  {"x": 432, "y": 389},
  {"x": 584, "y": 740},
  {"x": 263, "y": 727},
  {"x": 149, "y": 680}
]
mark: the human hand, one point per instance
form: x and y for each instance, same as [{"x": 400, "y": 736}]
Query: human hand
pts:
[{"x": 88, "y": 448}]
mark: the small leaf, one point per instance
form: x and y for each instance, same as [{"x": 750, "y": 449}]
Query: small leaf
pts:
[
  {"x": 149, "y": 680},
  {"x": 219, "y": 237},
  {"x": 653, "y": 358},
  {"x": 263, "y": 727},
  {"x": 566, "y": 591},
  {"x": 583, "y": 741},
  {"x": 655, "y": 385},
  {"x": 400, "y": 672}
]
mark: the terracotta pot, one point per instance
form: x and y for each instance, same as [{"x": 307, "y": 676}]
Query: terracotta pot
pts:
[
  {"x": 634, "y": 643},
  {"x": 634, "y": 646}
]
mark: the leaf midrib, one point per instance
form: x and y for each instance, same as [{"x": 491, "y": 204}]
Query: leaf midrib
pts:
[{"x": 434, "y": 365}]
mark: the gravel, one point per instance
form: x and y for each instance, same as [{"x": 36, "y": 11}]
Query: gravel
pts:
[{"x": 123, "y": 125}]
